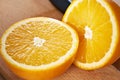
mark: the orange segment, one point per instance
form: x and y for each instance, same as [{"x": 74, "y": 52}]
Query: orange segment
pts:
[
  {"x": 97, "y": 23},
  {"x": 39, "y": 48}
]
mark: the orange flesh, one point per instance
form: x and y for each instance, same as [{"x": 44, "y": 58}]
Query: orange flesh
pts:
[
  {"x": 21, "y": 47},
  {"x": 98, "y": 21}
]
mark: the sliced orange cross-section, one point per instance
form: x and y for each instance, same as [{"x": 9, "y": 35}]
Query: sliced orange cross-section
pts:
[
  {"x": 39, "y": 48},
  {"x": 98, "y": 25}
]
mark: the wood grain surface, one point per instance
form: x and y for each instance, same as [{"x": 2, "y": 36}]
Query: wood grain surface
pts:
[{"x": 12, "y": 11}]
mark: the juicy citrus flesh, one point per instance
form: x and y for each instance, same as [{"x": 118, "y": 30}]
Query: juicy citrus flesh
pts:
[
  {"x": 39, "y": 46},
  {"x": 43, "y": 46},
  {"x": 98, "y": 32}
]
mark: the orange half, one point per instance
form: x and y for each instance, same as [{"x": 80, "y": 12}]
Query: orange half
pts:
[
  {"x": 39, "y": 48},
  {"x": 98, "y": 26}
]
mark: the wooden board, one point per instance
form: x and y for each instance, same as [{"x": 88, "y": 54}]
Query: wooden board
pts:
[{"x": 12, "y": 11}]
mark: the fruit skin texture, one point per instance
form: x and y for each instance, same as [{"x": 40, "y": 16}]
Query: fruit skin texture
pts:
[
  {"x": 46, "y": 73},
  {"x": 115, "y": 55}
]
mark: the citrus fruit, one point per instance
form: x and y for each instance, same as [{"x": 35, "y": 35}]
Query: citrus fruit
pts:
[
  {"x": 98, "y": 26},
  {"x": 39, "y": 48}
]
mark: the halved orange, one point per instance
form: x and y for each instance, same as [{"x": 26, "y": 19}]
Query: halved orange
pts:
[
  {"x": 39, "y": 48},
  {"x": 98, "y": 25}
]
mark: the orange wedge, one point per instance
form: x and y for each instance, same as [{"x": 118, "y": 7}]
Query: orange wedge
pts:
[
  {"x": 39, "y": 48},
  {"x": 98, "y": 25}
]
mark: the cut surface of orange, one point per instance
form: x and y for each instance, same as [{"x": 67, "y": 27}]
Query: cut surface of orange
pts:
[
  {"x": 98, "y": 26},
  {"x": 39, "y": 48}
]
